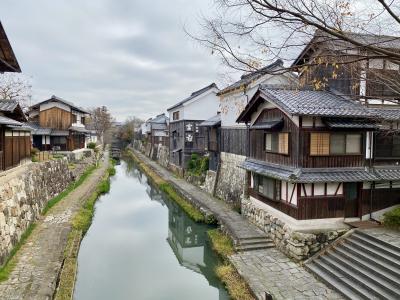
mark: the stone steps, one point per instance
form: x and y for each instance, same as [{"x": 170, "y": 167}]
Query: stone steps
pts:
[
  {"x": 254, "y": 243},
  {"x": 360, "y": 267}
]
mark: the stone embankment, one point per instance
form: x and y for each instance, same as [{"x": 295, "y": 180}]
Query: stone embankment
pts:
[
  {"x": 39, "y": 261},
  {"x": 297, "y": 245}
]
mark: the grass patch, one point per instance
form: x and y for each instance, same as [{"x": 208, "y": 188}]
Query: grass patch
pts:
[
  {"x": 221, "y": 243},
  {"x": 234, "y": 283},
  {"x": 68, "y": 190},
  {"x": 194, "y": 213},
  {"x": 391, "y": 219},
  {"x": 11, "y": 261}
]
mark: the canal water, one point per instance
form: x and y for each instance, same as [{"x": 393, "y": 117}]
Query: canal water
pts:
[{"x": 143, "y": 246}]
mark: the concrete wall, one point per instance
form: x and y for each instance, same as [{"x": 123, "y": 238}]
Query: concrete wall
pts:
[
  {"x": 231, "y": 179},
  {"x": 23, "y": 196}
]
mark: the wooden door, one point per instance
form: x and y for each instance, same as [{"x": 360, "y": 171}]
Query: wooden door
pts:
[{"x": 352, "y": 193}]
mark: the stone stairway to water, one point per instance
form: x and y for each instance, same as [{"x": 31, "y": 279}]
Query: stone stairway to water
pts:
[
  {"x": 254, "y": 243},
  {"x": 360, "y": 267}
]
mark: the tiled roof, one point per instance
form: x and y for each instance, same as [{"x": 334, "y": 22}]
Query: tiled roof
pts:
[
  {"x": 306, "y": 175},
  {"x": 8, "y": 105},
  {"x": 8, "y": 61},
  {"x": 249, "y": 78},
  {"x": 350, "y": 124},
  {"x": 55, "y": 98},
  {"x": 389, "y": 114},
  {"x": 194, "y": 95},
  {"x": 8, "y": 121},
  {"x": 59, "y": 133},
  {"x": 211, "y": 122},
  {"x": 314, "y": 103},
  {"x": 79, "y": 129},
  {"x": 159, "y": 126},
  {"x": 268, "y": 125}
]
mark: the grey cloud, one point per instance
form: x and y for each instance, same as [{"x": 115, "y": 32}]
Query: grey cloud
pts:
[{"x": 131, "y": 56}]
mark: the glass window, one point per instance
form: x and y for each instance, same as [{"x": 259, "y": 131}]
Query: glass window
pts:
[
  {"x": 353, "y": 143},
  {"x": 268, "y": 141},
  {"x": 338, "y": 143}
]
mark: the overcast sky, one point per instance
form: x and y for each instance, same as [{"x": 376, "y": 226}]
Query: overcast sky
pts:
[{"x": 130, "y": 55}]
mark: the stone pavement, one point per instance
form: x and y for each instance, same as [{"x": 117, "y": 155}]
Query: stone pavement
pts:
[
  {"x": 384, "y": 234},
  {"x": 40, "y": 259},
  {"x": 264, "y": 270},
  {"x": 271, "y": 271}
]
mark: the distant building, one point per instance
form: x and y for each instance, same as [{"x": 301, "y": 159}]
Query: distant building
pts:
[
  {"x": 186, "y": 137},
  {"x": 159, "y": 132},
  {"x": 58, "y": 124}
]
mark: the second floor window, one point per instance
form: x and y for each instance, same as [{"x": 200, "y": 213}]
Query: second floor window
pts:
[
  {"x": 175, "y": 116},
  {"x": 323, "y": 144},
  {"x": 277, "y": 142},
  {"x": 73, "y": 118}
]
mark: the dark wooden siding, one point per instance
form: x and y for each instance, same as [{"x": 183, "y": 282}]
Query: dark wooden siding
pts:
[
  {"x": 381, "y": 198},
  {"x": 16, "y": 148},
  {"x": 329, "y": 161},
  {"x": 234, "y": 140},
  {"x": 55, "y": 118},
  {"x": 307, "y": 207},
  {"x": 257, "y": 142}
]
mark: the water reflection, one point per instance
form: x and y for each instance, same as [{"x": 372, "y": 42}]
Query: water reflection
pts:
[
  {"x": 191, "y": 246},
  {"x": 129, "y": 253}
]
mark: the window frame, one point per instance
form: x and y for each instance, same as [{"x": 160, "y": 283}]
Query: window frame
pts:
[
  {"x": 275, "y": 149},
  {"x": 257, "y": 179},
  {"x": 175, "y": 115},
  {"x": 345, "y": 153}
]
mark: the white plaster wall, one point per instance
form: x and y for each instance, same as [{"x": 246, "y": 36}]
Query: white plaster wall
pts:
[
  {"x": 233, "y": 104},
  {"x": 203, "y": 107},
  {"x": 79, "y": 115}
]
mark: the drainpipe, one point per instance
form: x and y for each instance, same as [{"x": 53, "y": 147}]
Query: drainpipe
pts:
[{"x": 371, "y": 165}]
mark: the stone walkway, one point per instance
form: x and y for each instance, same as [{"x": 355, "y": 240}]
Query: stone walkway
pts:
[
  {"x": 272, "y": 271},
  {"x": 384, "y": 234},
  {"x": 264, "y": 270},
  {"x": 39, "y": 261}
]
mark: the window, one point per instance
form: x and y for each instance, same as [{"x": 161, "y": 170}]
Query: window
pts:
[
  {"x": 319, "y": 144},
  {"x": 335, "y": 143},
  {"x": 277, "y": 143},
  {"x": 387, "y": 145},
  {"x": 268, "y": 187},
  {"x": 83, "y": 120},
  {"x": 73, "y": 118},
  {"x": 175, "y": 116}
]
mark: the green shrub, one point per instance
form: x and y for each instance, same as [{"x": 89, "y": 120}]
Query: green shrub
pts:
[
  {"x": 91, "y": 145},
  {"x": 198, "y": 165},
  {"x": 392, "y": 218},
  {"x": 34, "y": 151}
]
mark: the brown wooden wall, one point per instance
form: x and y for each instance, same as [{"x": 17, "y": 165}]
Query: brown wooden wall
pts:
[
  {"x": 16, "y": 148},
  {"x": 330, "y": 161},
  {"x": 381, "y": 198},
  {"x": 55, "y": 118},
  {"x": 257, "y": 140},
  {"x": 234, "y": 140},
  {"x": 307, "y": 207}
]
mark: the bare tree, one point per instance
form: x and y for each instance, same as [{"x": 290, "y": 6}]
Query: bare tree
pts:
[
  {"x": 129, "y": 128},
  {"x": 100, "y": 121},
  {"x": 15, "y": 87},
  {"x": 345, "y": 35}
]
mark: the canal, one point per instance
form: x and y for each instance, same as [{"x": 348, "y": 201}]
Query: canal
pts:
[{"x": 143, "y": 246}]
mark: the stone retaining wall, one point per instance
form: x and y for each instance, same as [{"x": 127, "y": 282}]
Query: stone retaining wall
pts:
[
  {"x": 23, "y": 197},
  {"x": 297, "y": 245},
  {"x": 231, "y": 179}
]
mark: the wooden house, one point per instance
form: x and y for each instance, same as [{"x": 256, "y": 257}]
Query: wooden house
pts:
[
  {"x": 58, "y": 124},
  {"x": 186, "y": 137},
  {"x": 235, "y": 97},
  {"x": 212, "y": 143},
  {"x": 159, "y": 132},
  {"x": 352, "y": 71},
  {"x": 15, "y": 139},
  {"x": 312, "y": 156}
]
